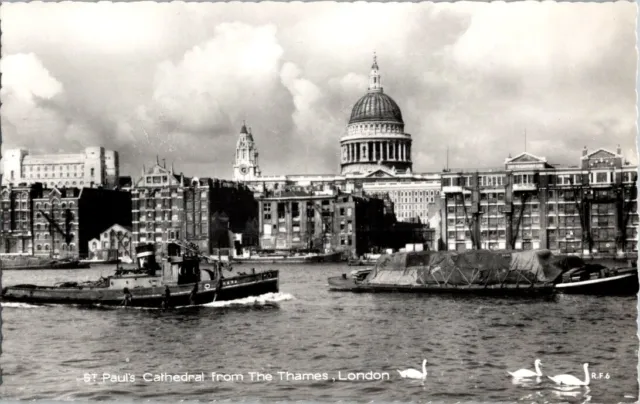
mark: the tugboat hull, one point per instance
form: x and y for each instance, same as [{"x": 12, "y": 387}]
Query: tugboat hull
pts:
[
  {"x": 236, "y": 287},
  {"x": 625, "y": 284}
]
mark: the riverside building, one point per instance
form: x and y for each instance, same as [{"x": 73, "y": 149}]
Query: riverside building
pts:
[
  {"x": 324, "y": 220},
  {"x": 58, "y": 222},
  {"x": 588, "y": 209},
  {"x": 169, "y": 207},
  {"x": 92, "y": 168}
]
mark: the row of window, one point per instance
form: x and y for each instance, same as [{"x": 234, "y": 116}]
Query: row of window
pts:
[
  {"x": 561, "y": 179},
  {"x": 54, "y": 167},
  {"x": 423, "y": 193},
  {"x": 564, "y": 247},
  {"x": 171, "y": 234},
  {"x": 399, "y": 201},
  {"x": 142, "y": 196},
  {"x": 552, "y": 235},
  {"x": 156, "y": 179},
  {"x": 46, "y": 247},
  {"x": 385, "y": 127},
  {"x": 54, "y": 204},
  {"x": 52, "y": 175},
  {"x": 23, "y": 195}
]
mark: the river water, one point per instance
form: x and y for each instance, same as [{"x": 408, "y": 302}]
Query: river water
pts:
[{"x": 72, "y": 353}]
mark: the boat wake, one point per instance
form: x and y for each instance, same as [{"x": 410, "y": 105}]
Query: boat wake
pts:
[
  {"x": 20, "y": 305},
  {"x": 263, "y": 300},
  {"x": 266, "y": 300}
]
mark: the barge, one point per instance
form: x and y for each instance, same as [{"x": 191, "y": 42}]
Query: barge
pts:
[
  {"x": 178, "y": 281},
  {"x": 477, "y": 272}
]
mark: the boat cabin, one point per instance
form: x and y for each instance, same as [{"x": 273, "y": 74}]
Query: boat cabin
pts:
[{"x": 182, "y": 266}]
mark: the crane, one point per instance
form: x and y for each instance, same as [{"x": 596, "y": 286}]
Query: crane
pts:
[{"x": 54, "y": 227}]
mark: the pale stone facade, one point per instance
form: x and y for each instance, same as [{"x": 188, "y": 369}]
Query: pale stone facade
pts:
[
  {"x": 113, "y": 243},
  {"x": 92, "y": 168},
  {"x": 411, "y": 199}
]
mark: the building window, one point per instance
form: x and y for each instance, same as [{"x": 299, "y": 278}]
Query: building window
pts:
[{"x": 602, "y": 177}]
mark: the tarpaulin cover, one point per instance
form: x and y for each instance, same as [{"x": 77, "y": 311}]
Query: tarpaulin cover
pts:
[
  {"x": 567, "y": 262},
  {"x": 465, "y": 268}
]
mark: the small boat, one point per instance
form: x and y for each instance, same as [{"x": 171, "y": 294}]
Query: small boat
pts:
[
  {"x": 41, "y": 263},
  {"x": 100, "y": 262},
  {"x": 596, "y": 279},
  {"x": 179, "y": 281},
  {"x": 361, "y": 261},
  {"x": 310, "y": 258}
]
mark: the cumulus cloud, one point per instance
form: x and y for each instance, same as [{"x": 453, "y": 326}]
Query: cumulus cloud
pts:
[
  {"x": 313, "y": 118},
  {"x": 177, "y": 80},
  {"x": 30, "y": 97},
  {"x": 202, "y": 98}
]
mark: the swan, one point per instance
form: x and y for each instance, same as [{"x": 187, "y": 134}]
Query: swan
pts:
[
  {"x": 570, "y": 380},
  {"x": 415, "y": 374},
  {"x": 522, "y": 373}
]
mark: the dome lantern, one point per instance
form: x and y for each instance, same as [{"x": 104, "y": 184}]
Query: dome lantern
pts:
[{"x": 375, "y": 85}]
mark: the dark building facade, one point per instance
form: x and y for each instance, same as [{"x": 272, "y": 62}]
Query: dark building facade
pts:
[
  {"x": 588, "y": 209},
  {"x": 324, "y": 221},
  {"x": 171, "y": 207},
  {"x": 58, "y": 222}
]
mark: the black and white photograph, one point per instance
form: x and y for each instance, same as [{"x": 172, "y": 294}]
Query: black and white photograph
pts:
[{"x": 408, "y": 202}]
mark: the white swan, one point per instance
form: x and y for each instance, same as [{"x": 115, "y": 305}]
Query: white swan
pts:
[
  {"x": 415, "y": 374},
  {"x": 523, "y": 373},
  {"x": 569, "y": 380}
]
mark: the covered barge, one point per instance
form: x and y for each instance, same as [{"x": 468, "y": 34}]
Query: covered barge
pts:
[{"x": 478, "y": 272}]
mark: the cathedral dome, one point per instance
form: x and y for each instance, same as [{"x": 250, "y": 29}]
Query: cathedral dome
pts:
[{"x": 376, "y": 107}]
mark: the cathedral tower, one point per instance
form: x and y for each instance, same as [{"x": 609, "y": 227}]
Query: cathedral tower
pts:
[{"x": 246, "y": 166}]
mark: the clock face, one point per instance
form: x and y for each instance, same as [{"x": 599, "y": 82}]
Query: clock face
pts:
[{"x": 244, "y": 170}]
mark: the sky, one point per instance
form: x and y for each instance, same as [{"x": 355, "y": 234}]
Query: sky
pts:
[{"x": 176, "y": 80}]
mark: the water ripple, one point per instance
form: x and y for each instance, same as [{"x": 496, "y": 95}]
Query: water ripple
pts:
[{"x": 470, "y": 343}]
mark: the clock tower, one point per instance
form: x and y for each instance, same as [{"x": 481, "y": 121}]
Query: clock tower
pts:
[{"x": 246, "y": 166}]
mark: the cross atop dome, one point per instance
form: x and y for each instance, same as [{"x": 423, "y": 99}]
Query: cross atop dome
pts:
[{"x": 375, "y": 84}]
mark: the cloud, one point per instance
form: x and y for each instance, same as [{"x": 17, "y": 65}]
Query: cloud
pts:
[
  {"x": 214, "y": 83},
  {"x": 199, "y": 102},
  {"x": 313, "y": 118},
  {"x": 178, "y": 79},
  {"x": 30, "y": 100}
]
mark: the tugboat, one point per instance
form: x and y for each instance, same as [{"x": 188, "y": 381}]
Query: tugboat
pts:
[
  {"x": 179, "y": 281},
  {"x": 596, "y": 279}
]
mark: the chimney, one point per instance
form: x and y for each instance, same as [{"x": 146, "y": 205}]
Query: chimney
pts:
[
  {"x": 585, "y": 151},
  {"x": 619, "y": 151}
]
